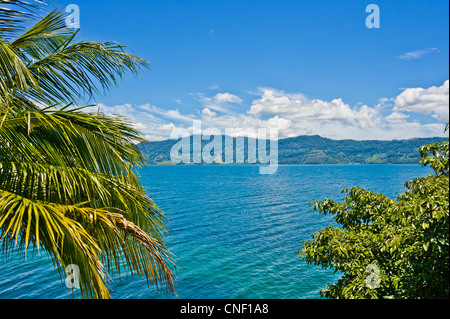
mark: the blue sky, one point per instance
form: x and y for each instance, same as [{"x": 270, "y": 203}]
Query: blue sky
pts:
[{"x": 303, "y": 67}]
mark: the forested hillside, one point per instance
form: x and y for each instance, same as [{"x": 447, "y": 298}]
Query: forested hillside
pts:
[{"x": 316, "y": 150}]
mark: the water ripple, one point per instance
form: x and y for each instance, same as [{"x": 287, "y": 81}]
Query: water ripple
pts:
[{"x": 234, "y": 232}]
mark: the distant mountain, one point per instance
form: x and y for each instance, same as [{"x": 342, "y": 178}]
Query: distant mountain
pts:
[{"x": 314, "y": 150}]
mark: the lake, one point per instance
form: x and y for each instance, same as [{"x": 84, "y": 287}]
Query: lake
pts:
[{"x": 233, "y": 231}]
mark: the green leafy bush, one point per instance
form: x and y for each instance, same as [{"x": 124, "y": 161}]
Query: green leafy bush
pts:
[{"x": 388, "y": 248}]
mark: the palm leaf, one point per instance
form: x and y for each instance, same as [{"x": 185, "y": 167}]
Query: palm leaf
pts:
[
  {"x": 65, "y": 71},
  {"x": 68, "y": 182},
  {"x": 15, "y": 14},
  {"x": 64, "y": 158}
]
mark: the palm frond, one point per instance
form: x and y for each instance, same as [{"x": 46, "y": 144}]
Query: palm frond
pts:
[
  {"x": 15, "y": 78},
  {"x": 68, "y": 182},
  {"x": 84, "y": 236},
  {"x": 67, "y": 158},
  {"x": 75, "y": 72},
  {"x": 15, "y": 15},
  {"x": 64, "y": 239},
  {"x": 43, "y": 38},
  {"x": 65, "y": 71}
]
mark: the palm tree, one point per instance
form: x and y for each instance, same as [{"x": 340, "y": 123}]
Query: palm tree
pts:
[{"x": 68, "y": 183}]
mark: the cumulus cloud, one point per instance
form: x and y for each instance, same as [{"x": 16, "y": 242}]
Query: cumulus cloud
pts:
[
  {"x": 219, "y": 101},
  {"x": 395, "y": 117},
  {"x": 208, "y": 113},
  {"x": 293, "y": 114},
  {"x": 226, "y": 98},
  {"x": 297, "y": 106},
  {"x": 274, "y": 101},
  {"x": 433, "y": 101}
]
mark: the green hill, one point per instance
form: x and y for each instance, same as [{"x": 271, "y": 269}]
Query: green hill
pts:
[{"x": 316, "y": 150}]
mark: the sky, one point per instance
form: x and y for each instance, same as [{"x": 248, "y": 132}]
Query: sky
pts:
[{"x": 298, "y": 67}]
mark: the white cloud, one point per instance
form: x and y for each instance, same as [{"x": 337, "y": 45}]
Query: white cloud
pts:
[
  {"x": 219, "y": 101},
  {"x": 395, "y": 117},
  {"x": 274, "y": 101},
  {"x": 164, "y": 131},
  {"x": 155, "y": 138},
  {"x": 385, "y": 102},
  {"x": 226, "y": 98},
  {"x": 171, "y": 114},
  {"x": 386, "y": 131},
  {"x": 433, "y": 101},
  {"x": 207, "y": 112},
  {"x": 297, "y": 106},
  {"x": 113, "y": 110},
  {"x": 414, "y": 55},
  {"x": 293, "y": 114}
]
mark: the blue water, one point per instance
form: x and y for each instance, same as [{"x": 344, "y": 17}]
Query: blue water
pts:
[{"x": 233, "y": 231}]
